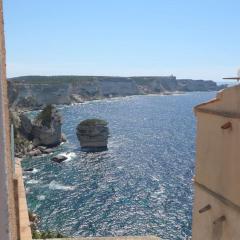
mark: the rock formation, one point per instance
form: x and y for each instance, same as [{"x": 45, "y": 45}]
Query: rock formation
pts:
[
  {"x": 93, "y": 135},
  {"x": 46, "y": 128},
  {"x": 22, "y": 143},
  {"x": 59, "y": 158},
  {"x": 37, "y": 137}
]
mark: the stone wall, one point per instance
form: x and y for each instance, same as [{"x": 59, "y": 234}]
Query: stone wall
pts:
[{"x": 8, "y": 221}]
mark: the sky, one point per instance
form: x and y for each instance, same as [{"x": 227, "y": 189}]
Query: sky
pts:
[{"x": 197, "y": 39}]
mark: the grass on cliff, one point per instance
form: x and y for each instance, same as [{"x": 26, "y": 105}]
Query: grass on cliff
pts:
[
  {"x": 46, "y": 235},
  {"x": 93, "y": 121},
  {"x": 45, "y": 116}
]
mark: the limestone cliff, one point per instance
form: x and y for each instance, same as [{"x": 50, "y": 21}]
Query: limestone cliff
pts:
[{"x": 38, "y": 91}]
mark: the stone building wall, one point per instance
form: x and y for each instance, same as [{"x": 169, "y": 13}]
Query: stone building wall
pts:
[
  {"x": 216, "y": 214},
  {"x": 8, "y": 221}
]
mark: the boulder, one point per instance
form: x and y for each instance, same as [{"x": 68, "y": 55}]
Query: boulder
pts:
[
  {"x": 93, "y": 135},
  {"x": 28, "y": 169},
  {"x": 42, "y": 148},
  {"x": 34, "y": 153},
  {"x": 48, "y": 150},
  {"x": 59, "y": 158}
]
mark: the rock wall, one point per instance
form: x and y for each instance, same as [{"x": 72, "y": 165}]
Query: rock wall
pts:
[{"x": 37, "y": 91}]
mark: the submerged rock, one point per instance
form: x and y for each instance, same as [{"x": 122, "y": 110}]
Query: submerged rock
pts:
[
  {"x": 28, "y": 169},
  {"x": 59, "y": 158},
  {"x": 34, "y": 153},
  {"x": 93, "y": 135}
]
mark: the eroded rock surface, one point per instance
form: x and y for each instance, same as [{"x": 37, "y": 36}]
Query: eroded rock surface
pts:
[
  {"x": 93, "y": 135},
  {"x": 46, "y": 128},
  {"x": 38, "y": 136}
]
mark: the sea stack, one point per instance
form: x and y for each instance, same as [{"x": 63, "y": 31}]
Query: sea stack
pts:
[
  {"x": 93, "y": 135},
  {"x": 46, "y": 129}
]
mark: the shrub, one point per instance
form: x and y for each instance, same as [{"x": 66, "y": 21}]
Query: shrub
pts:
[
  {"x": 46, "y": 235},
  {"x": 45, "y": 116}
]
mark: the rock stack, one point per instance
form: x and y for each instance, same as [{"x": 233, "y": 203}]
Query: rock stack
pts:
[
  {"x": 37, "y": 136},
  {"x": 46, "y": 129},
  {"x": 93, "y": 135}
]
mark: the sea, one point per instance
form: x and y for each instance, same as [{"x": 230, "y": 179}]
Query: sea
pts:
[{"x": 142, "y": 185}]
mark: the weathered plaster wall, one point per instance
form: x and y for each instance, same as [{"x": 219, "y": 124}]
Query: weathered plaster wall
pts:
[
  {"x": 8, "y": 230},
  {"x": 217, "y": 180},
  {"x": 203, "y": 226}
]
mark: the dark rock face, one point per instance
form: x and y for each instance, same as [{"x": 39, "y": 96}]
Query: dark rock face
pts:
[
  {"x": 26, "y": 126},
  {"x": 93, "y": 135},
  {"x": 22, "y": 143},
  {"x": 28, "y": 169}
]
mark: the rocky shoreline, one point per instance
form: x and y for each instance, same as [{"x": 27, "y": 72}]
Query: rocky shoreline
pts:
[{"x": 38, "y": 136}]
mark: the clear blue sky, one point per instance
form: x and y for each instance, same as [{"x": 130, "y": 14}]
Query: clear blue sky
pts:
[{"x": 187, "y": 38}]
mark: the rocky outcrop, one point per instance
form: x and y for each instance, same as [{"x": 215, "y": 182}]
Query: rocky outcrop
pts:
[
  {"x": 34, "y": 92},
  {"x": 59, "y": 158},
  {"x": 46, "y": 128},
  {"x": 22, "y": 143},
  {"x": 93, "y": 135},
  {"x": 38, "y": 136}
]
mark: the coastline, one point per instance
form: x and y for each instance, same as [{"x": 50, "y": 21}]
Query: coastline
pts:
[
  {"x": 104, "y": 177},
  {"x": 174, "y": 93}
]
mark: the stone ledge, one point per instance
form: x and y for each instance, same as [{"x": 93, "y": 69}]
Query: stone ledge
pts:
[{"x": 24, "y": 224}]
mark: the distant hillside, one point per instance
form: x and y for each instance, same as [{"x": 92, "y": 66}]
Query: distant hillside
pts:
[{"x": 36, "y": 91}]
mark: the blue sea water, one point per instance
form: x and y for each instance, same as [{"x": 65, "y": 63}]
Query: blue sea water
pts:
[{"x": 141, "y": 186}]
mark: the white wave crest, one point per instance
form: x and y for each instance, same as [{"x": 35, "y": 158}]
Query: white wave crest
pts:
[
  {"x": 35, "y": 170},
  {"x": 57, "y": 186},
  {"x": 41, "y": 197},
  {"x": 33, "y": 181},
  {"x": 69, "y": 155}
]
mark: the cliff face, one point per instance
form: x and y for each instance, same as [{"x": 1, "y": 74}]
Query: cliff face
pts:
[
  {"x": 37, "y": 91},
  {"x": 189, "y": 85}
]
